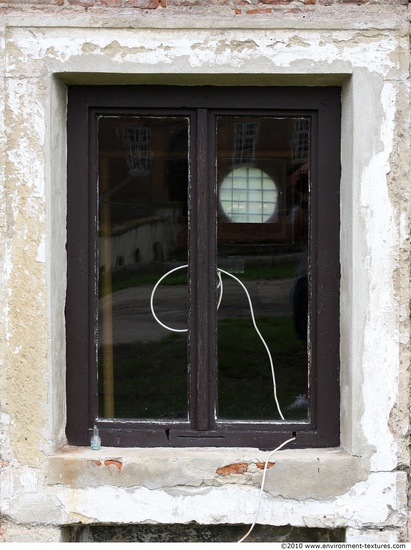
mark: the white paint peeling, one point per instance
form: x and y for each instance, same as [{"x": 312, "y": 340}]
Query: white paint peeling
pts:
[
  {"x": 382, "y": 243},
  {"x": 229, "y": 48}
]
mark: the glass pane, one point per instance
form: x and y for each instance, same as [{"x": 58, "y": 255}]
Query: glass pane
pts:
[
  {"x": 143, "y": 175},
  {"x": 262, "y": 175}
]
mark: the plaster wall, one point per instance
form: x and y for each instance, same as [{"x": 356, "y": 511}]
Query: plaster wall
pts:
[{"x": 361, "y": 486}]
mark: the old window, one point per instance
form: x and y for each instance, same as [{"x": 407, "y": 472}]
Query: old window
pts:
[{"x": 203, "y": 265}]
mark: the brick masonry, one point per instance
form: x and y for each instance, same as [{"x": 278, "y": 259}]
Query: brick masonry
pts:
[{"x": 250, "y": 7}]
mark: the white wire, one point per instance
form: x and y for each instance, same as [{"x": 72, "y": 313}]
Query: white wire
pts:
[
  {"x": 262, "y": 486},
  {"x": 152, "y": 300},
  {"x": 261, "y": 338},
  {"x": 220, "y": 284}
]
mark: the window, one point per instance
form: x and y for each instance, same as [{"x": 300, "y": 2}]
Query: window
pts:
[{"x": 203, "y": 265}]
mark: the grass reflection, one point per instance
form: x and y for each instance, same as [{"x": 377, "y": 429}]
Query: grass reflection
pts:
[{"x": 150, "y": 378}]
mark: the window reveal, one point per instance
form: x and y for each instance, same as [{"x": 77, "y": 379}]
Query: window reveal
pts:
[{"x": 209, "y": 187}]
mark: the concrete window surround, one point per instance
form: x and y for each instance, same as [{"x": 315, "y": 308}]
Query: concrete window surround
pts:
[{"x": 362, "y": 485}]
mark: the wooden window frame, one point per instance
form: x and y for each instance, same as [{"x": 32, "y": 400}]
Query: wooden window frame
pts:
[{"x": 323, "y": 104}]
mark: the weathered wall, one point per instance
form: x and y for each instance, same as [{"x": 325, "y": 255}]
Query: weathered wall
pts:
[{"x": 362, "y": 46}]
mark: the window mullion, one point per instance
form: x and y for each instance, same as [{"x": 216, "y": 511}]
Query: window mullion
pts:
[{"x": 201, "y": 281}]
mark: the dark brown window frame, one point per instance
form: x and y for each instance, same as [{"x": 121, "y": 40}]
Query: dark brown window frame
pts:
[{"x": 323, "y": 105}]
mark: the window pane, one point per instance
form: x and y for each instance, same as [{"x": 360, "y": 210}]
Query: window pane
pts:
[
  {"x": 262, "y": 172},
  {"x": 143, "y": 177}
]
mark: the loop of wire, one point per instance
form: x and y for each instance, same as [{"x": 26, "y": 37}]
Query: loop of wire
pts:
[
  {"x": 171, "y": 329},
  {"x": 220, "y": 286}
]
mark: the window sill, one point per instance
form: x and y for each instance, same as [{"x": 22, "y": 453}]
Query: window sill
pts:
[{"x": 292, "y": 474}]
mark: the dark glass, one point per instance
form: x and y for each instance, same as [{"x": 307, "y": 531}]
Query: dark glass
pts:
[
  {"x": 263, "y": 186},
  {"x": 142, "y": 220}
]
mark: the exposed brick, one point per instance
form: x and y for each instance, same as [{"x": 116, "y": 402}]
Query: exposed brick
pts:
[
  {"x": 257, "y": 11},
  {"x": 275, "y": 2},
  {"x": 32, "y": 3},
  {"x": 197, "y": 3},
  {"x": 117, "y": 463},
  {"x": 238, "y": 468},
  {"x": 143, "y": 4},
  {"x": 261, "y": 465},
  {"x": 82, "y": 3}
]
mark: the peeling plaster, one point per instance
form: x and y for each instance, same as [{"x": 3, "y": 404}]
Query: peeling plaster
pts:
[{"x": 313, "y": 488}]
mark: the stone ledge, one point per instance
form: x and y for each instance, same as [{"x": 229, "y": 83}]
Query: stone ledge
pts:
[{"x": 294, "y": 474}]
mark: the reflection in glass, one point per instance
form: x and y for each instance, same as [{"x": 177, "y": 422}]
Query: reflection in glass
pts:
[
  {"x": 247, "y": 194},
  {"x": 262, "y": 240},
  {"x": 142, "y": 216}
]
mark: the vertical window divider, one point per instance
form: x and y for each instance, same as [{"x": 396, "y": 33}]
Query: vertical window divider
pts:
[
  {"x": 200, "y": 276},
  {"x": 212, "y": 188},
  {"x": 202, "y": 279}
]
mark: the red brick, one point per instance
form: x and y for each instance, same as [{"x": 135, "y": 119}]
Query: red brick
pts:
[
  {"x": 197, "y": 3},
  {"x": 258, "y": 11},
  {"x": 82, "y": 3},
  {"x": 112, "y": 462},
  {"x": 143, "y": 4},
  {"x": 32, "y": 3},
  {"x": 276, "y": 2},
  {"x": 238, "y": 468},
  {"x": 261, "y": 465}
]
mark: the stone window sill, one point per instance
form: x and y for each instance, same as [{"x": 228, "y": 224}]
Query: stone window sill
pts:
[{"x": 292, "y": 474}]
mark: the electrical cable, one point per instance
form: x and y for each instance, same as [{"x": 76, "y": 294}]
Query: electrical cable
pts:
[
  {"x": 152, "y": 300},
  {"x": 261, "y": 338},
  {"x": 262, "y": 486},
  {"x": 220, "y": 285}
]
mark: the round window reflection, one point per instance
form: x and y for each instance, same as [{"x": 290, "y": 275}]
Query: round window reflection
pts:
[{"x": 248, "y": 195}]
